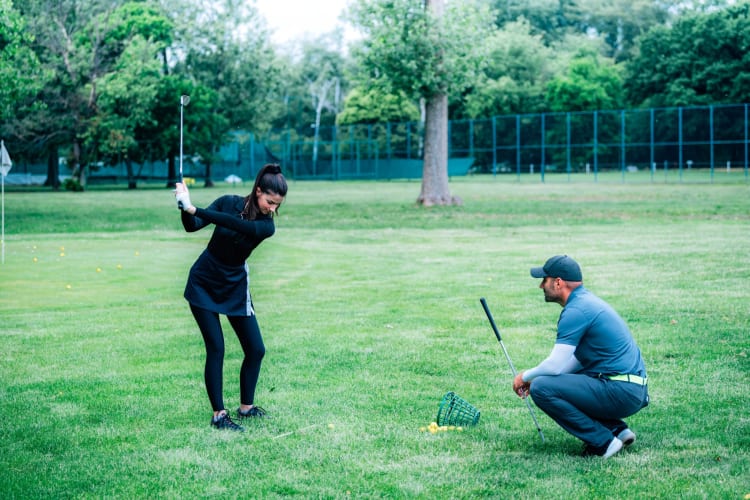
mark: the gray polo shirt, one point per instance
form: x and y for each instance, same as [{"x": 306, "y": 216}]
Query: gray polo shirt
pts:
[{"x": 604, "y": 344}]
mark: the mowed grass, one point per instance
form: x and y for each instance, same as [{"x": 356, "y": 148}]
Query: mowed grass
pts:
[{"x": 370, "y": 312}]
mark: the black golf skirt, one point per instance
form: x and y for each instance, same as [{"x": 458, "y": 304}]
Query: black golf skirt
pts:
[{"x": 218, "y": 287}]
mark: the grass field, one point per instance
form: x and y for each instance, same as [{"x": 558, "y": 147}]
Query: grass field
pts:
[{"x": 370, "y": 312}]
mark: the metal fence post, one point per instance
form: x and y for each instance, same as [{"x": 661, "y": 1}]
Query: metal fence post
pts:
[
  {"x": 622, "y": 143},
  {"x": 711, "y": 131},
  {"x": 746, "y": 137},
  {"x": 596, "y": 146},
  {"x": 518, "y": 147},
  {"x": 567, "y": 145},
  {"x": 653, "y": 162},
  {"x": 542, "y": 163},
  {"x": 679, "y": 135},
  {"x": 494, "y": 146}
]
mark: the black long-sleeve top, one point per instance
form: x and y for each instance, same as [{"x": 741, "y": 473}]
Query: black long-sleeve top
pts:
[{"x": 234, "y": 238}]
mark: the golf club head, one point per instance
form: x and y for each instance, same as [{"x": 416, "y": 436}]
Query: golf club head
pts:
[{"x": 184, "y": 100}]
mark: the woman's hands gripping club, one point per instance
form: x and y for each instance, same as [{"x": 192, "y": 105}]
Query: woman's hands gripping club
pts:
[{"x": 182, "y": 196}]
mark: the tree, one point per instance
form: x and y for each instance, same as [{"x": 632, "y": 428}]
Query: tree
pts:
[
  {"x": 90, "y": 46},
  {"x": 518, "y": 68},
  {"x": 124, "y": 106},
  {"x": 68, "y": 47},
  {"x": 428, "y": 52},
  {"x": 126, "y": 95},
  {"x": 21, "y": 79},
  {"x": 224, "y": 46},
  {"x": 701, "y": 59},
  {"x": 316, "y": 83},
  {"x": 20, "y": 72}
]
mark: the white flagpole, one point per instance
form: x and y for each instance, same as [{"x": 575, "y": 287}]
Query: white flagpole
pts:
[
  {"x": 3, "y": 236},
  {"x": 5, "y": 165}
]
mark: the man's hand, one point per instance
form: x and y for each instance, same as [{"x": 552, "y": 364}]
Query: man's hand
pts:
[{"x": 520, "y": 387}]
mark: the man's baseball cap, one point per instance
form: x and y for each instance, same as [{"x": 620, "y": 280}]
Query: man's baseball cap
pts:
[{"x": 559, "y": 266}]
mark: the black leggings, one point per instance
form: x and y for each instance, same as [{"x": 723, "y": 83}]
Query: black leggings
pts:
[{"x": 248, "y": 332}]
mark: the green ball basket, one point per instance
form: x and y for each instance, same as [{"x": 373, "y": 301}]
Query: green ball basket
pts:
[{"x": 454, "y": 410}]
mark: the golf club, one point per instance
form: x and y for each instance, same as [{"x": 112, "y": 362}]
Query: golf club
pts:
[
  {"x": 512, "y": 368},
  {"x": 184, "y": 101}
]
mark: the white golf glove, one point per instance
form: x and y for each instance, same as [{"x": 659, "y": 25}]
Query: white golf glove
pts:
[{"x": 183, "y": 197}]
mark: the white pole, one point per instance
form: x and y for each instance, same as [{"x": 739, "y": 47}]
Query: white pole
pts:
[
  {"x": 5, "y": 166},
  {"x": 3, "y": 236}
]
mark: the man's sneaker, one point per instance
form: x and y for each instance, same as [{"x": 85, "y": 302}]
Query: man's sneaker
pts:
[
  {"x": 224, "y": 422},
  {"x": 614, "y": 446},
  {"x": 626, "y": 436},
  {"x": 254, "y": 412}
]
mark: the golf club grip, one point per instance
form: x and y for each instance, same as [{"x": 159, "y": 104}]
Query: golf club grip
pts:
[
  {"x": 489, "y": 317},
  {"x": 497, "y": 334}
]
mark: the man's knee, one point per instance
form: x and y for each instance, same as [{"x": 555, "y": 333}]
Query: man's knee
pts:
[{"x": 542, "y": 389}]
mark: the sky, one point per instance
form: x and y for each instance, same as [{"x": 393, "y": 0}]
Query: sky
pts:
[{"x": 292, "y": 19}]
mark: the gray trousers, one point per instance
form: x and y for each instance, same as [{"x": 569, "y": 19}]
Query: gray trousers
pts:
[{"x": 590, "y": 408}]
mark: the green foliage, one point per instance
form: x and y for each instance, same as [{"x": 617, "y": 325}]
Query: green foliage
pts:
[
  {"x": 20, "y": 72},
  {"x": 590, "y": 83},
  {"x": 701, "y": 59},
  {"x": 224, "y": 49},
  {"x": 409, "y": 49},
  {"x": 513, "y": 81},
  {"x": 72, "y": 184},
  {"x": 373, "y": 106},
  {"x": 140, "y": 18},
  {"x": 619, "y": 23},
  {"x": 125, "y": 102},
  {"x": 551, "y": 19}
]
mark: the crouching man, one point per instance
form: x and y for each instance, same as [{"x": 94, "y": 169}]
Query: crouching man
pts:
[{"x": 595, "y": 375}]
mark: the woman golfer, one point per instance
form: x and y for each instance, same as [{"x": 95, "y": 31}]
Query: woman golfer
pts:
[{"x": 218, "y": 283}]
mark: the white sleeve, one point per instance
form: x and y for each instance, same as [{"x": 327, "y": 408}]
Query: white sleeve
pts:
[{"x": 561, "y": 360}]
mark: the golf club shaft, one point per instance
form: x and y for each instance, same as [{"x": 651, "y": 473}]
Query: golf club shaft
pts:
[
  {"x": 497, "y": 334},
  {"x": 182, "y": 108},
  {"x": 512, "y": 368}
]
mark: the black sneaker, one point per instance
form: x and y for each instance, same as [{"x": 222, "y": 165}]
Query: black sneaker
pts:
[
  {"x": 224, "y": 422},
  {"x": 254, "y": 412}
]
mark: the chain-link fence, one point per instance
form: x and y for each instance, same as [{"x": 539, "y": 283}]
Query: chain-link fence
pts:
[
  {"x": 708, "y": 143},
  {"x": 700, "y": 144}
]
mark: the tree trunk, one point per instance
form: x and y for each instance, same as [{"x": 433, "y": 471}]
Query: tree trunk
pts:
[
  {"x": 435, "y": 189},
  {"x": 80, "y": 169},
  {"x": 209, "y": 183},
  {"x": 53, "y": 169},
  {"x": 131, "y": 176}
]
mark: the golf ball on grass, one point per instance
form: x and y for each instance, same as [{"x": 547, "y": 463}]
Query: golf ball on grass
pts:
[{"x": 434, "y": 428}]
